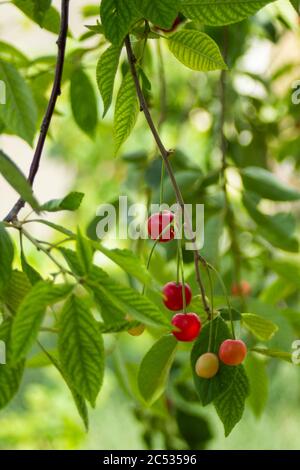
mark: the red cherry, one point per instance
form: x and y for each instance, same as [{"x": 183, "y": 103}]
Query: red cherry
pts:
[
  {"x": 159, "y": 223},
  {"x": 232, "y": 352},
  {"x": 242, "y": 289},
  {"x": 173, "y": 298},
  {"x": 188, "y": 324}
]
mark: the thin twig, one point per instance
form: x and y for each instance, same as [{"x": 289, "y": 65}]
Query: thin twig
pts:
[
  {"x": 165, "y": 156},
  {"x": 56, "y": 91}
]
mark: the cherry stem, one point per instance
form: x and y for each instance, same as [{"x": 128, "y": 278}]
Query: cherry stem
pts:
[
  {"x": 209, "y": 266},
  {"x": 180, "y": 257},
  {"x": 212, "y": 311}
]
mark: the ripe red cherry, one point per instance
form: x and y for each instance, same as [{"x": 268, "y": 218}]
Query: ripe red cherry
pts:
[
  {"x": 232, "y": 352},
  {"x": 241, "y": 289},
  {"x": 188, "y": 324},
  {"x": 173, "y": 298},
  {"x": 159, "y": 223}
]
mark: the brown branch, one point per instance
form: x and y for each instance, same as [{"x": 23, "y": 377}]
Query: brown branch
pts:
[
  {"x": 55, "y": 93},
  {"x": 165, "y": 156}
]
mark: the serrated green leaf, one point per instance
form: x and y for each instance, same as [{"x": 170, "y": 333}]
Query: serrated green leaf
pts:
[
  {"x": 50, "y": 20},
  {"x": 125, "y": 299},
  {"x": 83, "y": 101},
  {"x": 19, "y": 113},
  {"x": 118, "y": 326},
  {"x": 107, "y": 67},
  {"x": 260, "y": 327},
  {"x": 264, "y": 183},
  {"x": 81, "y": 350},
  {"x": 196, "y": 50},
  {"x": 16, "y": 289},
  {"x": 128, "y": 261},
  {"x": 227, "y": 314},
  {"x": 230, "y": 405},
  {"x": 117, "y": 18},
  {"x": 259, "y": 383},
  {"x": 209, "y": 389},
  {"x": 30, "y": 272},
  {"x": 6, "y": 256},
  {"x": 278, "y": 229},
  {"x": 78, "y": 398},
  {"x": 274, "y": 353},
  {"x": 220, "y": 12},
  {"x": 30, "y": 314},
  {"x": 17, "y": 180},
  {"x": 72, "y": 260},
  {"x": 10, "y": 379},
  {"x": 84, "y": 252},
  {"x": 160, "y": 12},
  {"x": 126, "y": 111},
  {"x": 71, "y": 202},
  {"x": 154, "y": 369}
]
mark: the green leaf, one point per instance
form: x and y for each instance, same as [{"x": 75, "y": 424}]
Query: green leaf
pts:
[
  {"x": 125, "y": 299},
  {"x": 10, "y": 379},
  {"x": 10, "y": 53},
  {"x": 40, "y": 9},
  {"x": 19, "y": 114},
  {"x": 107, "y": 67},
  {"x": 72, "y": 260},
  {"x": 126, "y": 111},
  {"x": 83, "y": 102},
  {"x": 230, "y": 405},
  {"x": 17, "y": 288},
  {"x": 259, "y": 383},
  {"x": 220, "y": 12},
  {"x": 160, "y": 12},
  {"x": 287, "y": 268},
  {"x": 226, "y": 314},
  {"x": 274, "y": 353},
  {"x": 30, "y": 314},
  {"x": 48, "y": 18},
  {"x": 78, "y": 399},
  {"x": 17, "y": 180},
  {"x": 265, "y": 184},
  {"x": 209, "y": 389},
  {"x": 84, "y": 252},
  {"x": 128, "y": 261},
  {"x": 117, "y": 18},
  {"x": 6, "y": 256},
  {"x": 118, "y": 326},
  {"x": 277, "y": 229},
  {"x": 260, "y": 327},
  {"x": 196, "y": 50},
  {"x": 155, "y": 367},
  {"x": 71, "y": 202},
  {"x": 81, "y": 350},
  {"x": 30, "y": 272},
  {"x": 296, "y": 5}
]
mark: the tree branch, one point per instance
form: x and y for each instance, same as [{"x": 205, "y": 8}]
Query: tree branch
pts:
[
  {"x": 56, "y": 91},
  {"x": 165, "y": 156}
]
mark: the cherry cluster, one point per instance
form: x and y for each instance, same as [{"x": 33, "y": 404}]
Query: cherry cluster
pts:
[{"x": 188, "y": 325}]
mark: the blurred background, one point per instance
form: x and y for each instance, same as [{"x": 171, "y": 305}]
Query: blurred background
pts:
[{"x": 262, "y": 128}]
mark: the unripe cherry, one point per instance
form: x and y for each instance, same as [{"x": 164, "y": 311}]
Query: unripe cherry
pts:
[
  {"x": 232, "y": 352},
  {"x": 137, "y": 330},
  {"x": 159, "y": 227},
  {"x": 188, "y": 326},
  {"x": 173, "y": 296},
  {"x": 207, "y": 365},
  {"x": 242, "y": 289}
]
